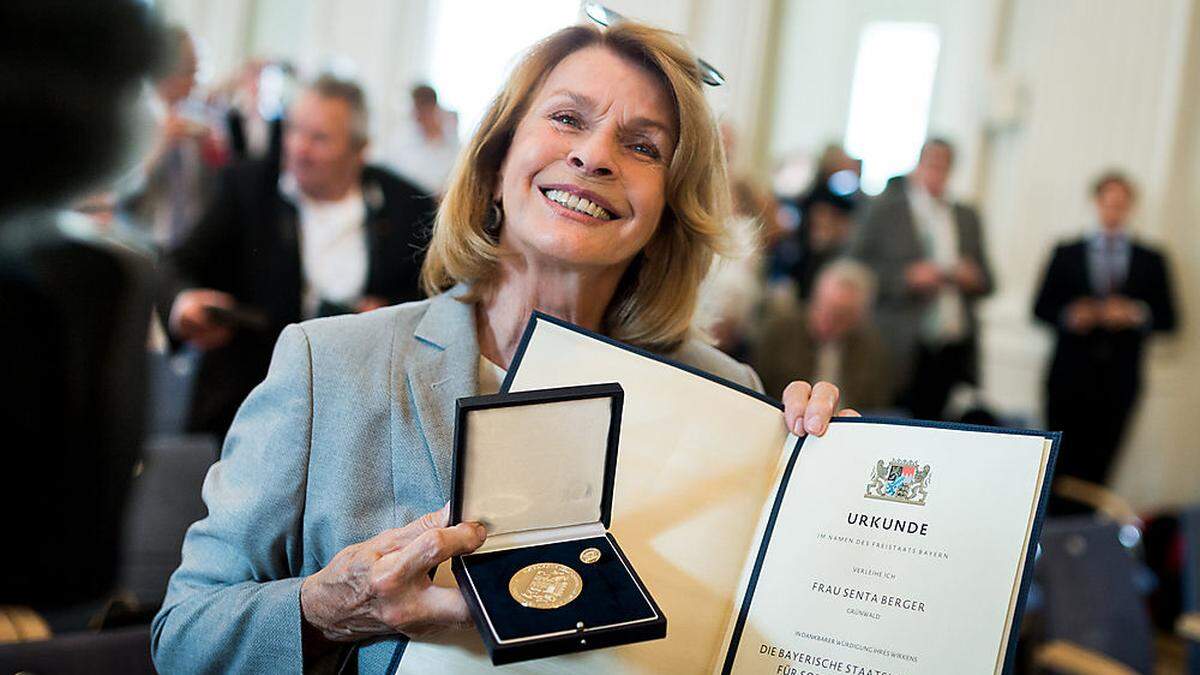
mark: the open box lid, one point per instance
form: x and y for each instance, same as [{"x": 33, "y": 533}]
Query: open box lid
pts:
[{"x": 537, "y": 466}]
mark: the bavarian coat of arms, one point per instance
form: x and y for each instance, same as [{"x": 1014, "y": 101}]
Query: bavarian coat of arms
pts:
[{"x": 900, "y": 480}]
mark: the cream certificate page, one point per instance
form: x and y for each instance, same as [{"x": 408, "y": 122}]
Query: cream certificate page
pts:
[
  {"x": 694, "y": 468},
  {"x": 895, "y": 550}
]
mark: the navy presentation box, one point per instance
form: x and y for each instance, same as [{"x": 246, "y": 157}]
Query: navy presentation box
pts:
[{"x": 537, "y": 469}]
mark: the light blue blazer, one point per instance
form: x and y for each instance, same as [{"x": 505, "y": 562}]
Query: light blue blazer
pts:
[{"x": 350, "y": 434}]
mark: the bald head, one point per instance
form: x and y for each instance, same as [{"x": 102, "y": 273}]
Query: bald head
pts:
[{"x": 842, "y": 298}]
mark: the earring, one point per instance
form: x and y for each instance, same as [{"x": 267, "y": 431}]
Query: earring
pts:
[{"x": 492, "y": 226}]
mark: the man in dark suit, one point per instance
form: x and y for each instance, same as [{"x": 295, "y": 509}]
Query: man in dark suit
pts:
[
  {"x": 928, "y": 255},
  {"x": 254, "y": 123},
  {"x": 1103, "y": 294},
  {"x": 329, "y": 235}
]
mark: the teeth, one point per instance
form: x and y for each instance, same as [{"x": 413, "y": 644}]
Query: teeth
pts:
[{"x": 577, "y": 203}]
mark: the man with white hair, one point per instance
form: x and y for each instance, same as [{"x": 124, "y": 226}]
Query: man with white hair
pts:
[
  {"x": 831, "y": 338},
  {"x": 327, "y": 235}
]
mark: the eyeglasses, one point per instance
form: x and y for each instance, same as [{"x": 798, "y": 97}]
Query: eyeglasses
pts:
[{"x": 607, "y": 17}]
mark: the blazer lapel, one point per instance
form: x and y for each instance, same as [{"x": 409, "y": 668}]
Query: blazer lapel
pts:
[{"x": 444, "y": 367}]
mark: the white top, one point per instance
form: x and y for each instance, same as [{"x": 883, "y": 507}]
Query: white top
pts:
[
  {"x": 333, "y": 246},
  {"x": 945, "y": 321},
  {"x": 491, "y": 376}
]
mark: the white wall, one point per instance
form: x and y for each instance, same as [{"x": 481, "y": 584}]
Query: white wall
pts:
[{"x": 815, "y": 65}]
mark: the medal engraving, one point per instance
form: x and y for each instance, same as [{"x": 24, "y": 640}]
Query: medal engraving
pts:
[
  {"x": 589, "y": 555},
  {"x": 545, "y": 586}
]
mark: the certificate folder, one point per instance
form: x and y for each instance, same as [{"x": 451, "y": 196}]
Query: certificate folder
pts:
[
  {"x": 537, "y": 469},
  {"x": 754, "y": 542}
]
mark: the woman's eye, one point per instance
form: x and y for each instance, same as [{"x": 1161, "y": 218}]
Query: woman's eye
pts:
[
  {"x": 645, "y": 149},
  {"x": 567, "y": 119}
]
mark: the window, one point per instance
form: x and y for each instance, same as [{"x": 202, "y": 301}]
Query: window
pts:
[
  {"x": 476, "y": 43},
  {"x": 890, "y": 97}
]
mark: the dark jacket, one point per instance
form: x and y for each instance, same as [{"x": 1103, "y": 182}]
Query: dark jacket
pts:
[
  {"x": 1102, "y": 358},
  {"x": 239, "y": 145},
  {"x": 248, "y": 245},
  {"x": 786, "y": 351}
]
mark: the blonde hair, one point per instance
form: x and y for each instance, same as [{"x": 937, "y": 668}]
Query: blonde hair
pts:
[{"x": 656, "y": 299}]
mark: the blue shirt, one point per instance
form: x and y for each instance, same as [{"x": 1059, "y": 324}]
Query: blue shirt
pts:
[{"x": 1108, "y": 261}]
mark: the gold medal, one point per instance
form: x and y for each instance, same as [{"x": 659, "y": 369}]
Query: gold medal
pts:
[
  {"x": 589, "y": 555},
  {"x": 545, "y": 585}
]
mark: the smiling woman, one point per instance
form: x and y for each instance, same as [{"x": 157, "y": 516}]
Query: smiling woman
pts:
[
  {"x": 617, "y": 117},
  {"x": 595, "y": 191}
]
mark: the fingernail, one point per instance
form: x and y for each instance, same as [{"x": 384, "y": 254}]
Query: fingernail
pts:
[
  {"x": 798, "y": 427},
  {"x": 481, "y": 531},
  {"x": 813, "y": 425}
]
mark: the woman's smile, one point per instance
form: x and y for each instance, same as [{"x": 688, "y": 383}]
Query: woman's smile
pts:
[{"x": 577, "y": 204}]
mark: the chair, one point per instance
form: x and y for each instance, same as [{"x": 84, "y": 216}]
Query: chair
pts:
[
  {"x": 1188, "y": 625},
  {"x": 117, "y": 652},
  {"x": 1105, "y": 502},
  {"x": 165, "y": 500},
  {"x": 1095, "y": 615},
  {"x": 172, "y": 377}
]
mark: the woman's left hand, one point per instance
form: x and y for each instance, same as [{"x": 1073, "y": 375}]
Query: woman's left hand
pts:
[{"x": 807, "y": 409}]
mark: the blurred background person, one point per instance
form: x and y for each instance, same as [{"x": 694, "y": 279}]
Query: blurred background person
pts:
[
  {"x": 1103, "y": 294},
  {"x": 425, "y": 145},
  {"x": 328, "y": 235},
  {"x": 824, "y": 214},
  {"x": 178, "y": 175},
  {"x": 831, "y": 336},
  {"x": 928, "y": 254},
  {"x": 732, "y": 293},
  {"x": 76, "y": 305},
  {"x": 254, "y": 117},
  {"x": 826, "y": 225}
]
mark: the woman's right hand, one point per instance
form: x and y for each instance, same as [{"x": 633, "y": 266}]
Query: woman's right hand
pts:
[{"x": 382, "y": 586}]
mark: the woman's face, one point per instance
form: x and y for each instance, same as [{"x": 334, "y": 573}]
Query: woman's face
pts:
[{"x": 583, "y": 185}]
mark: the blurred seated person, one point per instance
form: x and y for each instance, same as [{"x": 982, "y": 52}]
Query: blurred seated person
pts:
[
  {"x": 329, "y": 235},
  {"x": 76, "y": 306},
  {"x": 1104, "y": 294},
  {"x": 178, "y": 176},
  {"x": 593, "y": 190},
  {"x": 731, "y": 293},
  {"x": 927, "y": 251},
  {"x": 425, "y": 144},
  {"x": 831, "y": 338}
]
